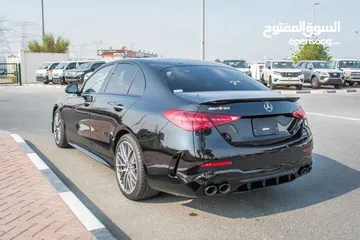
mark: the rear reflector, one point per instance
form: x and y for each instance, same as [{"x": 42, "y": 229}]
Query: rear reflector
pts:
[
  {"x": 194, "y": 121},
  {"x": 300, "y": 113},
  {"x": 307, "y": 149},
  {"x": 216, "y": 164}
]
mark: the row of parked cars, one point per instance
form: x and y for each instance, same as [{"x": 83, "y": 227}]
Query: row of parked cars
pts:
[
  {"x": 66, "y": 71},
  {"x": 274, "y": 73}
]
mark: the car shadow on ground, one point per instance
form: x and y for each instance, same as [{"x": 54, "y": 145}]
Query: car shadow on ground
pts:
[
  {"x": 110, "y": 225},
  {"x": 329, "y": 179}
]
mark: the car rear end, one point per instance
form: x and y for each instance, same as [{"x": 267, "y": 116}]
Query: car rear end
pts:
[{"x": 243, "y": 138}]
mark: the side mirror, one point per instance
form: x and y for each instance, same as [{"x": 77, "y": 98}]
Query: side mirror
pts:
[
  {"x": 72, "y": 89},
  {"x": 269, "y": 67},
  {"x": 249, "y": 67},
  {"x": 310, "y": 67}
]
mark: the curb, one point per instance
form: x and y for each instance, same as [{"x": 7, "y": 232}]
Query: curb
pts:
[
  {"x": 319, "y": 91},
  {"x": 90, "y": 222},
  {"x": 41, "y": 86}
]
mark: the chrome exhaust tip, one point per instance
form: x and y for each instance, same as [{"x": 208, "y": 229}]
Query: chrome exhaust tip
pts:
[
  {"x": 224, "y": 188},
  {"x": 210, "y": 190}
]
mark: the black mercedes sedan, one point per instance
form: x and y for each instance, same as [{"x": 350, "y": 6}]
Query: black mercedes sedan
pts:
[{"x": 186, "y": 127}]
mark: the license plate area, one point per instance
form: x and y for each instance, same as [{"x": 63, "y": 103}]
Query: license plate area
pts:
[{"x": 264, "y": 126}]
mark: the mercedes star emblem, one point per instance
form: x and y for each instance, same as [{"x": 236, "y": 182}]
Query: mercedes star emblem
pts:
[{"x": 268, "y": 107}]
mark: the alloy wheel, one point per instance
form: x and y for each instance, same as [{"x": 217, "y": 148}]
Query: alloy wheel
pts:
[
  {"x": 57, "y": 128},
  {"x": 126, "y": 167}
]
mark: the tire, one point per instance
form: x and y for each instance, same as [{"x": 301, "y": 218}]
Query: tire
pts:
[
  {"x": 315, "y": 83},
  {"x": 339, "y": 86},
  {"x": 351, "y": 83},
  {"x": 46, "y": 82},
  {"x": 299, "y": 87},
  {"x": 59, "y": 130},
  {"x": 124, "y": 170},
  {"x": 271, "y": 85}
]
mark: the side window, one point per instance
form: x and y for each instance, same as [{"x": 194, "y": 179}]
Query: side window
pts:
[
  {"x": 122, "y": 78},
  {"x": 267, "y": 64},
  {"x": 138, "y": 85},
  {"x": 94, "y": 83},
  {"x": 71, "y": 66}
]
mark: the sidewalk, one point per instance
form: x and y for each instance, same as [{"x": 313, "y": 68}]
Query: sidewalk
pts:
[{"x": 30, "y": 207}]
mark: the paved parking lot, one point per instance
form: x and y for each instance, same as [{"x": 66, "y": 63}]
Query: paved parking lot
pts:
[{"x": 322, "y": 205}]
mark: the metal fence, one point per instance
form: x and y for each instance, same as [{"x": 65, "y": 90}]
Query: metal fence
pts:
[{"x": 10, "y": 73}]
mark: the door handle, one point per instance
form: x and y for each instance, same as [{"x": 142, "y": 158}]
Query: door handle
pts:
[{"x": 117, "y": 106}]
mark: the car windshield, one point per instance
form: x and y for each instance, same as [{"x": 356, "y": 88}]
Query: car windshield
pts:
[
  {"x": 45, "y": 66},
  {"x": 284, "y": 64},
  {"x": 85, "y": 66},
  {"x": 236, "y": 64},
  {"x": 349, "y": 64},
  {"x": 61, "y": 65},
  {"x": 208, "y": 78},
  {"x": 319, "y": 65}
]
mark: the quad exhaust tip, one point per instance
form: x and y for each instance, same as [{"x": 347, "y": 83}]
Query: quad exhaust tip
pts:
[
  {"x": 210, "y": 190},
  {"x": 224, "y": 188}
]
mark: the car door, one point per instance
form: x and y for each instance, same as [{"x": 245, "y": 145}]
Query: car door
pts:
[
  {"x": 76, "y": 112},
  {"x": 108, "y": 109}
]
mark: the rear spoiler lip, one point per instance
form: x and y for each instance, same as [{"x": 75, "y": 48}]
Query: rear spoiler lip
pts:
[{"x": 221, "y": 101}]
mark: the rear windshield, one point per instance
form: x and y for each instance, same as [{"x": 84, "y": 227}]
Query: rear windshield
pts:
[
  {"x": 45, "y": 66},
  {"x": 208, "y": 78}
]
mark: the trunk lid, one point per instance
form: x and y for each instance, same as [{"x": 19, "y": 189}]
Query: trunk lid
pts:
[{"x": 266, "y": 116}]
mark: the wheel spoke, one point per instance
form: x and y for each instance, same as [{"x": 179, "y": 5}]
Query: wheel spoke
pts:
[{"x": 126, "y": 167}]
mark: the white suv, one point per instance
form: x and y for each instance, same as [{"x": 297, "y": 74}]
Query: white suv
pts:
[
  {"x": 350, "y": 68},
  {"x": 282, "y": 73}
]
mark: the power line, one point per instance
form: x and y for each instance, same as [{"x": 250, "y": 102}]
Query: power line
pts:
[
  {"x": 24, "y": 32},
  {"x": 4, "y": 42}
]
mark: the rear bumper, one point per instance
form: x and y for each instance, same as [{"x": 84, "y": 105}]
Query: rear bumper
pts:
[{"x": 252, "y": 168}]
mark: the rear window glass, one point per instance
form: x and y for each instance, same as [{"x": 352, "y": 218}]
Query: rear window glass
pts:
[{"x": 208, "y": 78}]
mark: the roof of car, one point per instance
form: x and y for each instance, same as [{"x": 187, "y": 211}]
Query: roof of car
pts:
[{"x": 169, "y": 62}]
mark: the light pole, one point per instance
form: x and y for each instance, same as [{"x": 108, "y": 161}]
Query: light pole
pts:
[
  {"x": 42, "y": 14},
  {"x": 202, "y": 55},
  {"x": 315, "y": 4}
]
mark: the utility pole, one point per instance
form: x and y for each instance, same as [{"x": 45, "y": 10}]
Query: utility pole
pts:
[
  {"x": 24, "y": 32},
  {"x": 202, "y": 55},
  {"x": 43, "y": 21},
  {"x": 315, "y": 4}
]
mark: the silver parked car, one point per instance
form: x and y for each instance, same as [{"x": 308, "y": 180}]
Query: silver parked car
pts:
[{"x": 321, "y": 73}]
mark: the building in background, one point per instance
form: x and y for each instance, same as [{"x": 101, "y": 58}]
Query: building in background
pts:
[{"x": 123, "y": 53}]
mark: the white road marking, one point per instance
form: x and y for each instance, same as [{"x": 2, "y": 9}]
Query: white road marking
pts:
[
  {"x": 37, "y": 161},
  {"x": 79, "y": 209},
  {"x": 17, "y": 138},
  {"x": 333, "y": 116}
]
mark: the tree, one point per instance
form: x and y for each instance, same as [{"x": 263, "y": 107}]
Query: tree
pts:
[
  {"x": 311, "y": 50},
  {"x": 49, "y": 44}
]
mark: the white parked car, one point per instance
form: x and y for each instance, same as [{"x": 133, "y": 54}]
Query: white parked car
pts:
[
  {"x": 44, "y": 72},
  {"x": 240, "y": 65},
  {"x": 282, "y": 73},
  {"x": 350, "y": 68},
  {"x": 59, "y": 72}
]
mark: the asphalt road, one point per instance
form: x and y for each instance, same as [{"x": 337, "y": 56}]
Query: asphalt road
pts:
[{"x": 322, "y": 205}]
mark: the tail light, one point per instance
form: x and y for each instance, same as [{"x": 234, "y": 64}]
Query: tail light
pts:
[
  {"x": 300, "y": 113},
  {"x": 194, "y": 121}
]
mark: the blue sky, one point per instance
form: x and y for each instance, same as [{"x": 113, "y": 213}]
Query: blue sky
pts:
[{"x": 234, "y": 28}]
